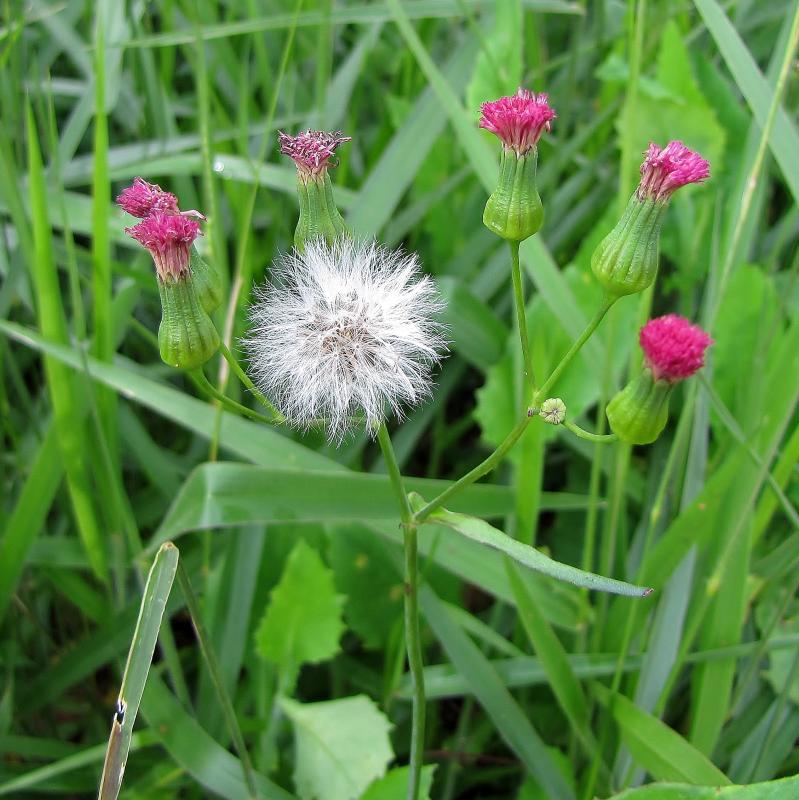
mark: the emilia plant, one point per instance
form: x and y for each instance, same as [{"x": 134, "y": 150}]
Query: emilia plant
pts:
[{"x": 346, "y": 335}]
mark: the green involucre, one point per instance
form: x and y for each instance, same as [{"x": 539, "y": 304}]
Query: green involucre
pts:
[
  {"x": 639, "y": 412},
  {"x": 514, "y": 209},
  {"x": 626, "y": 260},
  {"x": 186, "y": 336},
  {"x": 319, "y": 216}
]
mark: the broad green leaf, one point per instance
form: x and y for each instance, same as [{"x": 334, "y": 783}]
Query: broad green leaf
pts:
[
  {"x": 481, "y": 532},
  {"x": 226, "y": 494},
  {"x": 341, "y": 747},
  {"x": 746, "y": 313},
  {"x": 785, "y": 789},
  {"x": 685, "y": 114},
  {"x": 659, "y": 748},
  {"x": 393, "y": 785},
  {"x": 499, "y": 65},
  {"x": 365, "y": 572},
  {"x": 203, "y": 758},
  {"x": 302, "y": 623},
  {"x": 477, "y": 332}
]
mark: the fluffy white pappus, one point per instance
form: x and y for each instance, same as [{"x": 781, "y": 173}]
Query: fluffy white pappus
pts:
[{"x": 345, "y": 331}]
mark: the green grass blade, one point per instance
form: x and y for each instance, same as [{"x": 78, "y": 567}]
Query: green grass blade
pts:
[
  {"x": 511, "y": 722},
  {"x": 209, "y": 654},
  {"x": 658, "y": 748},
  {"x": 25, "y": 522},
  {"x": 210, "y": 764},
  {"x": 140, "y": 656},
  {"x": 554, "y": 659},
  {"x": 61, "y": 384},
  {"x": 784, "y": 140}
]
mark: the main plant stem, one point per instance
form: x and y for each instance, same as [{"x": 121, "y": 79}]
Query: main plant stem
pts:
[
  {"x": 603, "y": 309},
  {"x": 521, "y": 316},
  {"x": 412, "y": 639}
]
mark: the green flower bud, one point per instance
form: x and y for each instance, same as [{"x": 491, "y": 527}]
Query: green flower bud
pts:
[
  {"x": 639, "y": 412},
  {"x": 626, "y": 260},
  {"x": 319, "y": 216},
  {"x": 207, "y": 282},
  {"x": 186, "y": 336},
  {"x": 313, "y": 153},
  {"x": 514, "y": 209}
]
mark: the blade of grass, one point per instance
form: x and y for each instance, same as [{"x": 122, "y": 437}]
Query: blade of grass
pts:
[
  {"x": 212, "y": 663},
  {"x": 512, "y": 723},
  {"x": 140, "y": 656},
  {"x": 784, "y": 139},
  {"x": 553, "y": 658},
  {"x": 61, "y": 385},
  {"x": 210, "y": 764},
  {"x": 25, "y": 522},
  {"x": 659, "y": 748}
]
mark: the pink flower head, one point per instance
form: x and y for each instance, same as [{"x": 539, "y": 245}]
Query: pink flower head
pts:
[
  {"x": 664, "y": 171},
  {"x": 518, "y": 120},
  {"x": 311, "y": 151},
  {"x": 674, "y": 349},
  {"x": 168, "y": 237},
  {"x": 142, "y": 199}
]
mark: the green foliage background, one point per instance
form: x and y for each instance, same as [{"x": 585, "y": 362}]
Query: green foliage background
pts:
[{"x": 537, "y": 690}]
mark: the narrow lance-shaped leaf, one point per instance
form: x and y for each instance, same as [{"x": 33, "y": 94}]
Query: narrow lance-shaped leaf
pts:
[
  {"x": 140, "y": 656},
  {"x": 480, "y": 531}
]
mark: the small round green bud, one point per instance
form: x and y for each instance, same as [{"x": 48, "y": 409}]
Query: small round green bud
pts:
[
  {"x": 639, "y": 412},
  {"x": 514, "y": 209},
  {"x": 186, "y": 336},
  {"x": 626, "y": 260},
  {"x": 207, "y": 282},
  {"x": 553, "y": 411}
]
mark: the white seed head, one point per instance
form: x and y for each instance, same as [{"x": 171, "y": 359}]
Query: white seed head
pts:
[{"x": 345, "y": 330}]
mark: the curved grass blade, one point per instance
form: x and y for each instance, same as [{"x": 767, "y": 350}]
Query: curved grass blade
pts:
[{"x": 140, "y": 656}]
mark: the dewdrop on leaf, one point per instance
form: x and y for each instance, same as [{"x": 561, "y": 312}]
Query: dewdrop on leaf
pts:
[
  {"x": 186, "y": 336},
  {"x": 626, "y": 261},
  {"x": 345, "y": 330},
  {"x": 674, "y": 349},
  {"x": 514, "y": 209},
  {"x": 313, "y": 153}
]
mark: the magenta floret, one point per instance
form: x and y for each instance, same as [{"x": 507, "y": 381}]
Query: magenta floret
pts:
[
  {"x": 168, "y": 237},
  {"x": 674, "y": 349},
  {"x": 312, "y": 151},
  {"x": 143, "y": 198},
  {"x": 518, "y": 120},
  {"x": 665, "y": 170}
]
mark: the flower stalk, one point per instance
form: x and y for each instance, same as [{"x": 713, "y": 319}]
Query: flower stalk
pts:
[{"x": 412, "y": 637}]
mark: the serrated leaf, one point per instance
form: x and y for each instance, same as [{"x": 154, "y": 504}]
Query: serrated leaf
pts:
[
  {"x": 481, "y": 532},
  {"x": 342, "y": 746},
  {"x": 393, "y": 785},
  {"x": 302, "y": 623}
]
